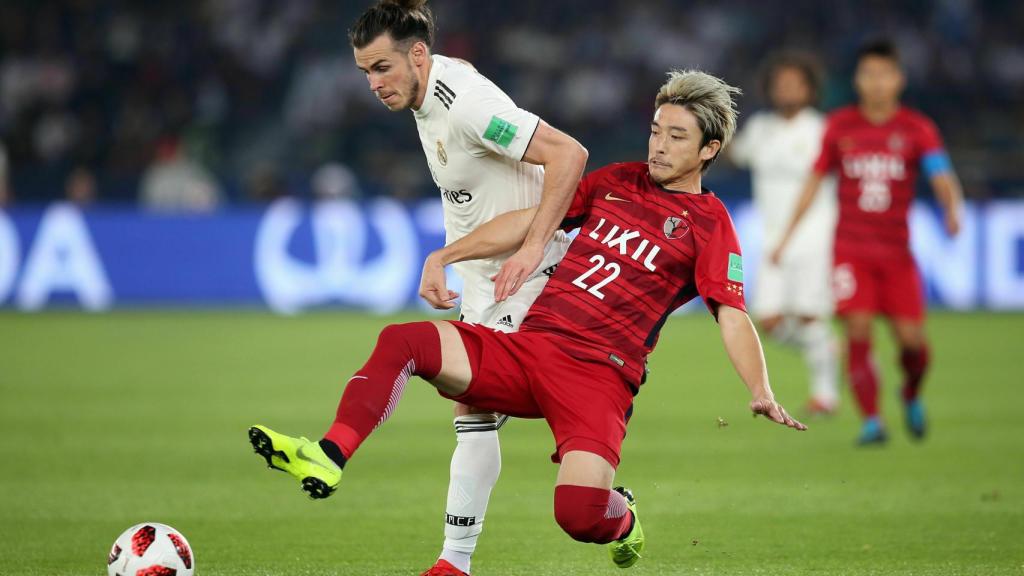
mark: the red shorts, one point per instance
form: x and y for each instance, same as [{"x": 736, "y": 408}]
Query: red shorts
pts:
[
  {"x": 891, "y": 287},
  {"x": 583, "y": 397}
]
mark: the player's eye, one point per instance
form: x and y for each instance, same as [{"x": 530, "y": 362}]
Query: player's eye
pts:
[{"x": 677, "y": 137}]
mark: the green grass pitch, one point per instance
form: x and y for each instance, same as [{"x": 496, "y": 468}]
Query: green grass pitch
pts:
[{"x": 109, "y": 420}]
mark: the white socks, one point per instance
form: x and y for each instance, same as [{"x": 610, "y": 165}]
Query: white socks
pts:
[
  {"x": 819, "y": 347},
  {"x": 817, "y": 343},
  {"x": 476, "y": 464}
]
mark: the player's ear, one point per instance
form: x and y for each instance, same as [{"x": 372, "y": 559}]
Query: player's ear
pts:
[
  {"x": 710, "y": 150},
  {"x": 419, "y": 53}
]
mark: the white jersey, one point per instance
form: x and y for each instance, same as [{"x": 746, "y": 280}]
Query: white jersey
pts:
[
  {"x": 474, "y": 137},
  {"x": 780, "y": 154}
]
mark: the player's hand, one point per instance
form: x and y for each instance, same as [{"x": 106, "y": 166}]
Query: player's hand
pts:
[
  {"x": 515, "y": 271},
  {"x": 952, "y": 222},
  {"x": 434, "y": 285},
  {"x": 774, "y": 411}
]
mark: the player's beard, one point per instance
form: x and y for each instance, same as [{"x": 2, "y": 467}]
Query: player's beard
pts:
[{"x": 414, "y": 90}]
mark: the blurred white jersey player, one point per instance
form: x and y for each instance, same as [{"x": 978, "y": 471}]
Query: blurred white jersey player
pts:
[
  {"x": 793, "y": 300},
  {"x": 487, "y": 156}
]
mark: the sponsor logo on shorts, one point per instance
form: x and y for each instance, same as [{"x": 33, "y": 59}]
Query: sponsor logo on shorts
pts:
[
  {"x": 506, "y": 320},
  {"x": 550, "y": 270},
  {"x": 459, "y": 520}
]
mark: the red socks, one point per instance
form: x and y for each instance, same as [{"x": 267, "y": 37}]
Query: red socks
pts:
[
  {"x": 592, "y": 514},
  {"x": 373, "y": 393},
  {"x": 914, "y": 364},
  {"x": 863, "y": 376}
]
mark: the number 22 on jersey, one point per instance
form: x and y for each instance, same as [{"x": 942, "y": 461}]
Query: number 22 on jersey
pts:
[{"x": 620, "y": 240}]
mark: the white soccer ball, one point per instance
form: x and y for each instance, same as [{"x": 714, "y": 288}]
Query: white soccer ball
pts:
[{"x": 151, "y": 549}]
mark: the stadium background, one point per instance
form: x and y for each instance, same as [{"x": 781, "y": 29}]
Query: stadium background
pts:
[{"x": 178, "y": 155}]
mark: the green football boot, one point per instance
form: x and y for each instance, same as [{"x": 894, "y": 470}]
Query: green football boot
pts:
[
  {"x": 304, "y": 460},
  {"x": 625, "y": 552}
]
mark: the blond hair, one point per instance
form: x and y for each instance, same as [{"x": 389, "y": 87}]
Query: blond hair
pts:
[{"x": 708, "y": 98}]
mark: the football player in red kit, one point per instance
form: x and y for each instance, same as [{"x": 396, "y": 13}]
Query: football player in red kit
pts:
[
  {"x": 879, "y": 148},
  {"x": 651, "y": 239}
]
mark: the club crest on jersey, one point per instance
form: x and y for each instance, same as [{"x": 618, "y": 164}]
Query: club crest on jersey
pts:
[
  {"x": 675, "y": 228},
  {"x": 442, "y": 156}
]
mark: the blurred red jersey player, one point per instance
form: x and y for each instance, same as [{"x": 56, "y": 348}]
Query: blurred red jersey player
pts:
[{"x": 879, "y": 148}]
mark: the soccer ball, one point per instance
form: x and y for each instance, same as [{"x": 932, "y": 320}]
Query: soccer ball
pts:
[{"x": 151, "y": 549}]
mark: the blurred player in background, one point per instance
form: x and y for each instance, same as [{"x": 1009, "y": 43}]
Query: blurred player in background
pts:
[
  {"x": 651, "y": 239},
  {"x": 793, "y": 302},
  {"x": 879, "y": 147},
  {"x": 487, "y": 156}
]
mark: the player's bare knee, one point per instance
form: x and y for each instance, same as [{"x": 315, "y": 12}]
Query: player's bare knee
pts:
[
  {"x": 582, "y": 468},
  {"x": 456, "y": 372},
  {"x": 858, "y": 327},
  {"x": 909, "y": 334}
]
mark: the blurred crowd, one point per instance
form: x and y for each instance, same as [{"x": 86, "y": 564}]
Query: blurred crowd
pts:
[{"x": 188, "y": 105}]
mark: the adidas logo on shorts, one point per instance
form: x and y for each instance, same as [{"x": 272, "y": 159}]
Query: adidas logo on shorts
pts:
[{"x": 506, "y": 321}]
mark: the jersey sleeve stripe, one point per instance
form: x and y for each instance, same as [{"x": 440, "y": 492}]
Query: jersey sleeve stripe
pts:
[
  {"x": 451, "y": 93},
  {"x": 536, "y": 126}
]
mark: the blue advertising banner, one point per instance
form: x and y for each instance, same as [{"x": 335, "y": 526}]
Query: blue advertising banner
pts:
[{"x": 292, "y": 256}]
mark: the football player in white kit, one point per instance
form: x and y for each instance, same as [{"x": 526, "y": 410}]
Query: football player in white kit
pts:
[
  {"x": 793, "y": 301},
  {"x": 487, "y": 157}
]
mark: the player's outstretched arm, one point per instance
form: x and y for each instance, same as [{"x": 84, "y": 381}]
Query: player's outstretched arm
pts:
[
  {"x": 500, "y": 235},
  {"x": 563, "y": 159},
  {"x": 810, "y": 189},
  {"x": 950, "y": 196},
  {"x": 744, "y": 350}
]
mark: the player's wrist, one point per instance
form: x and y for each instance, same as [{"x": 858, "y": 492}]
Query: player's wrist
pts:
[
  {"x": 532, "y": 246},
  {"x": 440, "y": 257}
]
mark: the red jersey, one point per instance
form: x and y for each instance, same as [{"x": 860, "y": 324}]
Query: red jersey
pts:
[
  {"x": 641, "y": 253},
  {"x": 878, "y": 167}
]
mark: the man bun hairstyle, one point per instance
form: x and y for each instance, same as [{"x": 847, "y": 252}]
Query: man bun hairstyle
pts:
[
  {"x": 709, "y": 99},
  {"x": 403, "y": 20}
]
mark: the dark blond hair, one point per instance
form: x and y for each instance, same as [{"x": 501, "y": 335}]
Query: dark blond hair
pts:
[{"x": 708, "y": 98}]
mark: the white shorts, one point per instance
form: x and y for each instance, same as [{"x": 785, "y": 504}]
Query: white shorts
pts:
[
  {"x": 800, "y": 286},
  {"x": 479, "y": 307}
]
